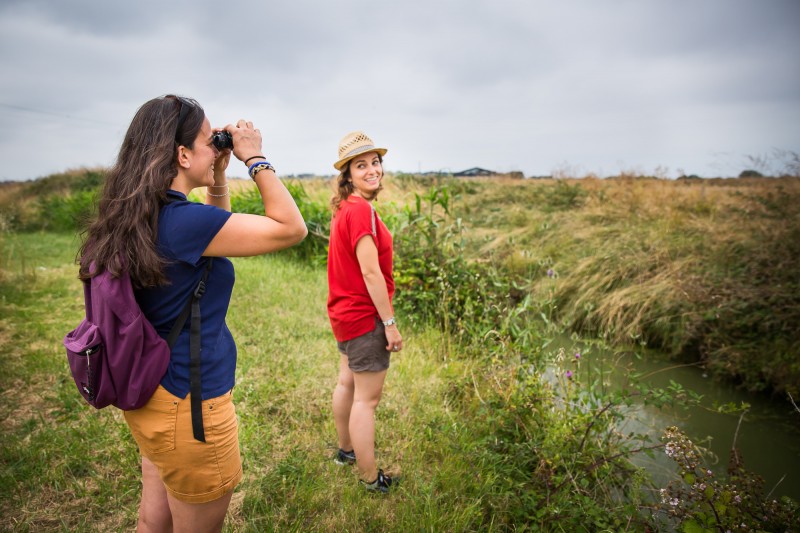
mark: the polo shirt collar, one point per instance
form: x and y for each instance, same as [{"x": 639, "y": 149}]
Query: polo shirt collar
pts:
[{"x": 176, "y": 194}]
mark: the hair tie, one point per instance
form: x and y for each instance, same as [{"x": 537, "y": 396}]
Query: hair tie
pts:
[{"x": 254, "y": 157}]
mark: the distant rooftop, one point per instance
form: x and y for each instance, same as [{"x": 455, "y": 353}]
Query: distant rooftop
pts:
[{"x": 474, "y": 171}]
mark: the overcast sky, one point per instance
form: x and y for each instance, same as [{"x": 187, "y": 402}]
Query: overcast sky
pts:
[{"x": 575, "y": 86}]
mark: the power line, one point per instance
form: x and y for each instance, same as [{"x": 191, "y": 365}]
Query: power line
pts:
[{"x": 53, "y": 113}]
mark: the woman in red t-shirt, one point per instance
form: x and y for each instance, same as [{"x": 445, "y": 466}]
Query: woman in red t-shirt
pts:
[{"x": 360, "y": 290}]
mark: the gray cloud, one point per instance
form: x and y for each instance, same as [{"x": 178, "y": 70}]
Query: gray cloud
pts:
[{"x": 446, "y": 84}]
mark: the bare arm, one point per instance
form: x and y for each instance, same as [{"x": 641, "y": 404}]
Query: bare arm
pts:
[
  {"x": 219, "y": 194},
  {"x": 244, "y": 234},
  {"x": 367, "y": 254}
]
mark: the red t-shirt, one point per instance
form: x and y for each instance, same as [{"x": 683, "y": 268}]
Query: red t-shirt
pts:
[{"x": 350, "y": 307}]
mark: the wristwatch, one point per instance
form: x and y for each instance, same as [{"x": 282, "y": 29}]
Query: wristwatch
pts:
[{"x": 390, "y": 322}]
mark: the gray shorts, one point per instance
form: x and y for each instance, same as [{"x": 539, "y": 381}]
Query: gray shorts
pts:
[{"x": 367, "y": 353}]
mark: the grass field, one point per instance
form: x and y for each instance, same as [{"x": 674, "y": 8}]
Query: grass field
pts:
[{"x": 67, "y": 467}]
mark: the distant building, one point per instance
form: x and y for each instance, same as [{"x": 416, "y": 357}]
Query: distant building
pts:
[{"x": 474, "y": 172}]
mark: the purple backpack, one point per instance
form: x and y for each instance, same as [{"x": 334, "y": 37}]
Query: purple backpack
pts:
[{"x": 115, "y": 355}]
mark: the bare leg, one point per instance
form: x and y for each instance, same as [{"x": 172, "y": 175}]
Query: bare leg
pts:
[
  {"x": 199, "y": 517},
  {"x": 154, "y": 513},
  {"x": 343, "y": 404},
  {"x": 367, "y": 395}
]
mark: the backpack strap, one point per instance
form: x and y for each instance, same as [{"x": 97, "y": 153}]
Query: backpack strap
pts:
[
  {"x": 192, "y": 308},
  {"x": 87, "y": 299},
  {"x": 175, "y": 332}
]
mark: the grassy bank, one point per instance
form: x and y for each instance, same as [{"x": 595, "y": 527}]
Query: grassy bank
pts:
[{"x": 705, "y": 271}]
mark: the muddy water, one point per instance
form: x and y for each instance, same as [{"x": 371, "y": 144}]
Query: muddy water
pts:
[{"x": 768, "y": 437}]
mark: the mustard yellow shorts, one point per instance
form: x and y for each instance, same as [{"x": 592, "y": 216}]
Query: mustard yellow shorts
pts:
[{"x": 192, "y": 471}]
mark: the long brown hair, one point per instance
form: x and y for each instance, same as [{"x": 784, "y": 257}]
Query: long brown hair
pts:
[
  {"x": 343, "y": 186},
  {"x": 123, "y": 235}
]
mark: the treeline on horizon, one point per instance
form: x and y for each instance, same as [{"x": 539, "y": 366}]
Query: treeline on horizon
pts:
[
  {"x": 779, "y": 163},
  {"x": 788, "y": 171}
]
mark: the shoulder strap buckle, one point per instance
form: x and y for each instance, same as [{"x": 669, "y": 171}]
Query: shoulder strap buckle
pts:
[{"x": 200, "y": 290}]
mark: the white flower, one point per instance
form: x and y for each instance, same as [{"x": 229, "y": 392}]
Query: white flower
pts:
[{"x": 671, "y": 449}]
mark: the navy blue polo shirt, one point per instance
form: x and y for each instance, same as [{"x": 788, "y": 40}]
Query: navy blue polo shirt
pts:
[{"x": 184, "y": 231}]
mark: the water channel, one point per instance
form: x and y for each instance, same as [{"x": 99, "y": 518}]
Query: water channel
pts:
[{"x": 768, "y": 437}]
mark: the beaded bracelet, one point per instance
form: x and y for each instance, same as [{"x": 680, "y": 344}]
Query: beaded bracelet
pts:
[
  {"x": 257, "y": 167},
  {"x": 223, "y": 195},
  {"x": 254, "y": 157}
]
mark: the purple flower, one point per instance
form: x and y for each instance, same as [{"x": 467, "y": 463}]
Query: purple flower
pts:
[
  {"x": 569, "y": 373},
  {"x": 550, "y": 272},
  {"x": 578, "y": 355}
]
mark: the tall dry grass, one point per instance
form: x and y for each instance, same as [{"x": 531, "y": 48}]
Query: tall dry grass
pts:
[{"x": 703, "y": 269}]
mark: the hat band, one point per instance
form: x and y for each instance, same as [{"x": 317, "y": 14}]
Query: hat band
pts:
[{"x": 358, "y": 151}]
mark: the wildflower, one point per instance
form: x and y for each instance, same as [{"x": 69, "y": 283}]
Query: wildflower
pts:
[
  {"x": 578, "y": 355},
  {"x": 674, "y": 502},
  {"x": 671, "y": 449},
  {"x": 569, "y": 373},
  {"x": 550, "y": 272},
  {"x": 737, "y": 499}
]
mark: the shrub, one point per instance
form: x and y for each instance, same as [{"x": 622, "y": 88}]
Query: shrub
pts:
[
  {"x": 470, "y": 301},
  {"x": 316, "y": 215},
  {"x": 698, "y": 501},
  {"x": 750, "y": 174},
  {"x": 69, "y": 212}
]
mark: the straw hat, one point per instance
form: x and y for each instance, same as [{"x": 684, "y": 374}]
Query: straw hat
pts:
[{"x": 355, "y": 143}]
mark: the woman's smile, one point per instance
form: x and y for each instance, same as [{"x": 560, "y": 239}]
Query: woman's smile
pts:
[{"x": 366, "y": 172}]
